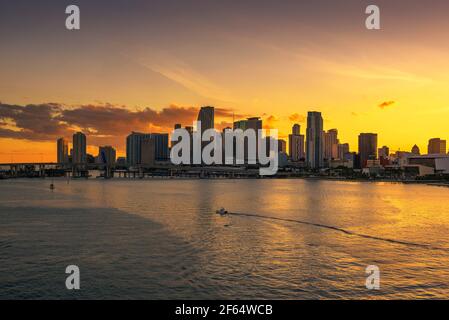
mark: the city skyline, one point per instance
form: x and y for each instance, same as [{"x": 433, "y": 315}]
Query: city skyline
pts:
[{"x": 330, "y": 146}]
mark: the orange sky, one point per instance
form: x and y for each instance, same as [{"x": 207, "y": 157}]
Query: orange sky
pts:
[{"x": 270, "y": 60}]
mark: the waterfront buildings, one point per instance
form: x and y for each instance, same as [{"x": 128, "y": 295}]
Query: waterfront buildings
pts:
[
  {"x": 79, "y": 154},
  {"x": 254, "y": 123},
  {"x": 296, "y": 144},
  {"x": 134, "y": 147},
  {"x": 367, "y": 148},
  {"x": 331, "y": 144},
  {"x": 314, "y": 140},
  {"x": 342, "y": 150},
  {"x": 436, "y": 146},
  {"x": 106, "y": 155},
  {"x": 282, "y": 146},
  {"x": 157, "y": 141},
  {"x": 206, "y": 116},
  {"x": 62, "y": 151}
]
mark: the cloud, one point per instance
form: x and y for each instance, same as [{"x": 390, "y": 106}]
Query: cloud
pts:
[
  {"x": 102, "y": 123},
  {"x": 297, "y": 117},
  {"x": 385, "y": 104}
]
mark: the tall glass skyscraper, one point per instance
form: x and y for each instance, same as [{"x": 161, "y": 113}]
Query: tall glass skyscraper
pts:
[
  {"x": 206, "y": 116},
  {"x": 314, "y": 140},
  {"x": 367, "y": 148},
  {"x": 79, "y": 154},
  {"x": 62, "y": 151}
]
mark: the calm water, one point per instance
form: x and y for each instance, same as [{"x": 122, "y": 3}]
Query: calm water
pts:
[{"x": 162, "y": 239}]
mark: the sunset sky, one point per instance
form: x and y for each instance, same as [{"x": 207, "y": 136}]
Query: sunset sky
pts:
[{"x": 145, "y": 65}]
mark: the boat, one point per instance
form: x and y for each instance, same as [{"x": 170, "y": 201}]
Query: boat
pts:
[{"x": 221, "y": 211}]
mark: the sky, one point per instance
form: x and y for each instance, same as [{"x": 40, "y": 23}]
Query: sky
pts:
[{"x": 145, "y": 65}]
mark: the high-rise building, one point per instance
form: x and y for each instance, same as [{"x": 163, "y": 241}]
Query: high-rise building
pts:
[
  {"x": 367, "y": 148},
  {"x": 106, "y": 155},
  {"x": 436, "y": 146},
  {"x": 134, "y": 143},
  {"x": 161, "y": 151},
  {"x": 282, "y": 146},
  {"x": 62, "y": 151},
  {"x": 148, "y": 151},
  {"x": 415, "y": 150},
  {"x": 206, "y": 116},
  {"x": 296, "y": 144},
  {"x": 383, "y": 152},
  {"x": 342, "y": 150},
  {"x": 134, "y": 147},
  {"x": 314, "y": 140},
  {"x": 254, "y": 123},
  {"x": 331, "y": 144},
  {"x": 79, "y": 154}
]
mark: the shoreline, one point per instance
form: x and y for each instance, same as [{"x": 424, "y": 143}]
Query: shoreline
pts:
[{"x": 436, "y": 183}]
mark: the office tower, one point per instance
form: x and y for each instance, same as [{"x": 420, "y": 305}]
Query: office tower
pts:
[
  {"x": 436, "y": 146},
  {"x": 342, "y": 150},
  {"x": 383, "y": 152},
  {"x": 106, "y": 155},
  {"x": 253, "y": 123},
  {"x": 415, "y": 150},
  {"x": 62, "y": 151},
  {"x": 206, "y": 116},
  {"x": 79, "y": 154},
  {"x": 282, "y": 146},
  {"x": 148, "y": 151},
  {"x": 134, "y": 147},
  {"x": 296, "y": 129},
  {"x": 367, "y": 148},
  {"x": 162, "y": 152},
  {"x": 331, "y": 144},
  {"x": 314, "y": 140},
  {"x": 296, "y": 144}
]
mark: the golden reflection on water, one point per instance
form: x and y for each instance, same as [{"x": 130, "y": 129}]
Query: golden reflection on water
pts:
[{"x": 257, "y": 258}]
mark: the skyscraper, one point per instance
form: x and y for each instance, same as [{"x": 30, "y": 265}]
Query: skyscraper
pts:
[
  {"x": 331, "y": 144},
  {"x": 254, "y": 123},
  {"x": 314, "y": 140},
  {"x": 282, "y": 146},
  {"x": 296, "y": 144},
  {"x": 79, "y": 155},
  {"x": 436, "y": 146},
  {"x": 62, "y": 151},
  {"x": 342, "y": 150},
  {"x": 367, "y": 148},
  {"x": 383, "y": 152},
  {"x": 206, "y": 116},
  {"x": 106, "y": 155},
  {"x": 134, "y": 147}
]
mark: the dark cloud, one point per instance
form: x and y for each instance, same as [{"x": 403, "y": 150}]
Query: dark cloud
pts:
[
  {"x": 385, "y": 104},
  {"x": 104, "y": 124}
]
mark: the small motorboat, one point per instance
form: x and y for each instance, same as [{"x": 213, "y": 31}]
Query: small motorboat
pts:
[{"x": 221, "y": 211}]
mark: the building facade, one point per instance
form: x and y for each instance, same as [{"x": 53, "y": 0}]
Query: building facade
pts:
[
  {"x": 314, "y": 140},
  {"x": 436, "y": 146},
  {"x": 296, "y": 144},
  {"x": 79, "y": 154},
  {"x": 62, "y": 151},
  {"x": 367, "y": 148}
]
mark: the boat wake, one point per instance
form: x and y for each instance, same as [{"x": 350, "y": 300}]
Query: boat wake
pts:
[{"x": 348, "y": 232}]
